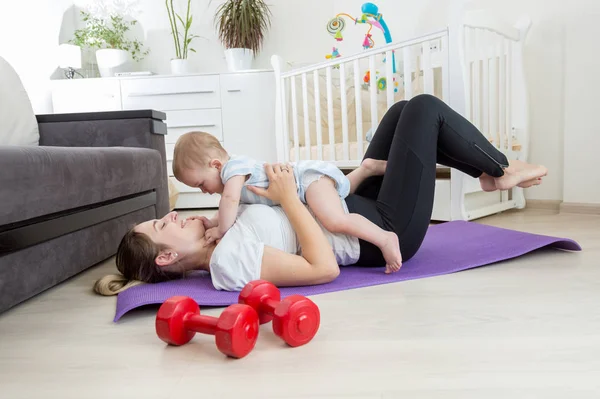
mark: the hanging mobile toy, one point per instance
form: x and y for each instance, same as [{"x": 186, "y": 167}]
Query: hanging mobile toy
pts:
[
  {"x": 335, "y": 26},
  {"x": 334, "y": 54},
  {"x": 370, "y": 16},
  {"x": 368, "y": 42}
]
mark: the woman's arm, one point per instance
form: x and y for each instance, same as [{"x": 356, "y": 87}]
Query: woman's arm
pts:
[{"x": 317, "y": 264}]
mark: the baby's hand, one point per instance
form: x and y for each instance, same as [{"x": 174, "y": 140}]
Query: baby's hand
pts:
[
  {"x": 205, "y": 221},
  {"x": 212, "y": 235}
]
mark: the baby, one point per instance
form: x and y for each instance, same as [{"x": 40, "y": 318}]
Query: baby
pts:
[{"x": 200, "y": 161}]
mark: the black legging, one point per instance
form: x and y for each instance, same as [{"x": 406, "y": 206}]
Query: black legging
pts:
[{"x": 413, "y": 136}]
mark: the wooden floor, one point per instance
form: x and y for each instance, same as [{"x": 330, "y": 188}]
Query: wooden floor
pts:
[{"x": 524, "y": 328}]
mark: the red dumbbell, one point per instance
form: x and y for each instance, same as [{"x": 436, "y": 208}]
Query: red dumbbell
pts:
[
  {"x": 235, "y": 331},
  {"x": 296, "y": 319}
]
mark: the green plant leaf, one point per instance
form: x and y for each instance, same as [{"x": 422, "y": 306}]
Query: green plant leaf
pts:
[{"x": 242, "y": 23}]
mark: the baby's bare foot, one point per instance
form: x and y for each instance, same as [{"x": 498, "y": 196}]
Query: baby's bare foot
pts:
[
  {"x": 519, "y": 172},
  {"x": 391, "y": 252},
  {"x": 374, "y": 167}
]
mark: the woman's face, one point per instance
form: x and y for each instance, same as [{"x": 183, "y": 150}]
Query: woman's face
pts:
[{"x": 181, "y": 236}]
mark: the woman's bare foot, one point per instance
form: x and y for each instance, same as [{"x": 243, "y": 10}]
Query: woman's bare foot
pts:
[
  {"x": 530, "y": 183},
  {"x": 391, "y": 252},
  {"x": 519, "y": 172},
  {"x": 488, "y": 183},
  {"x": 374, "y": 167}
]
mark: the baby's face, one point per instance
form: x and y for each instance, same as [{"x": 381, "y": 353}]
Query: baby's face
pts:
[{"x": 207, "y": 179}]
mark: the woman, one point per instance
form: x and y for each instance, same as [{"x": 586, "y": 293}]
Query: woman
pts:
[{"x": 263, "y": 243}]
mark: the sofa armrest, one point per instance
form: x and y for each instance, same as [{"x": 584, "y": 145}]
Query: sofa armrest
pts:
[
  {"x": 102, "y": 129},
  {"x": 141, "y": 129}
]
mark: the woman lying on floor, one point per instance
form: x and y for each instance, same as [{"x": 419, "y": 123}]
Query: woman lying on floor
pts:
[{"x": 263, "y": 243}]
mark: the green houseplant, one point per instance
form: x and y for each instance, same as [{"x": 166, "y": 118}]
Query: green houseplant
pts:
[
  {"x": 182, "y": 38},
  {"x": 242, "y": 26},
  {"x": 109, "y": 36}
]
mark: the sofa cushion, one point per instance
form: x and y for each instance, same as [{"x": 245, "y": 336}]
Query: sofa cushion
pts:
[
  {"x": 18, "y": 125},
  {"x": 37, "y": 181}
]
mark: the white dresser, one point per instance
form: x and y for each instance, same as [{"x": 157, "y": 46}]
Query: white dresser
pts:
[{"x": 237, "y": 108}]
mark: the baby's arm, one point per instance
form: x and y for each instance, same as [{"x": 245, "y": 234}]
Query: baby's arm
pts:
[{"x": 228, "y": 207}]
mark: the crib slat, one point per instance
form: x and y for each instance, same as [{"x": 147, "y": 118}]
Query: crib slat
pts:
[
  {"x": 476, "y": 80},
  {"x": 358, "y": 106},
  {"x": 502, "y": 91},
  {"x": 373, "y": 92},
  {"x": 485, "y": 104},
  {"x": 389, "y": 77},
  {"x": 318, "y": 116},
  {"x": 467, "y": 40},
  {"x": 509, "y": 103},
  {"x": 286, "y": 130},
  {"x": 408, "y": 88},
  {"x": 344, "y": 104},
  {"x": 305, "y": 109},
  {"x": 445, "y": 70},
  {"x": 427, "y": 70},
  {"x": 295, "y": 119},
  {"x": 494, "y": 92},
  {"x": 330, "y": 114}
]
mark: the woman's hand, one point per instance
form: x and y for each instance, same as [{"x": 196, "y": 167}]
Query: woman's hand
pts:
[{"x": 282, "y": 185}]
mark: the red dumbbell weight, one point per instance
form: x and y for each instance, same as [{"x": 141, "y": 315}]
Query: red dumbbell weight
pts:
[
  {"x": 235, "y": 331},
  {"x": 296, "y": 319}
]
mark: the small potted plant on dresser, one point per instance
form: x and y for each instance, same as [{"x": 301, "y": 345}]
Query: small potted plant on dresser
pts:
[
  {"x": 108, "y": 35},
  {"x": 182, "y": 38},
  {"x": 241, "y": 26}
]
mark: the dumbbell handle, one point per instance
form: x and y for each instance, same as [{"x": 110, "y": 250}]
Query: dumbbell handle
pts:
[
  {"x": 268, "y": 306},
  {"x": 200, "y": 323}
]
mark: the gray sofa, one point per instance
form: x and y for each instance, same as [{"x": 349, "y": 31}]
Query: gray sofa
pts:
[{"x": 66, "y": 204}]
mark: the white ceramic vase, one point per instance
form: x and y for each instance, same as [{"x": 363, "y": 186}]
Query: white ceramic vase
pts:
[
  {"x": 111, "y": 61},
  {"x": 239, "y": 59},
  {"x": 180, "y": 66}
]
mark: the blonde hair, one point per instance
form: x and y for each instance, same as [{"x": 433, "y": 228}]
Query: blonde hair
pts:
[
  {"x": 196, "y": 149},
  {"x": 136, "y": 261}
]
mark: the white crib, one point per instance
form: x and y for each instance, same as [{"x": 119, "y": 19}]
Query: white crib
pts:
[{"x": 326, "y": 111}]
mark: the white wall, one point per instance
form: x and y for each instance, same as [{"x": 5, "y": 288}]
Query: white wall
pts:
[
  {"x": 29, "y": 33},
  {"x": 582, "y": 103}
]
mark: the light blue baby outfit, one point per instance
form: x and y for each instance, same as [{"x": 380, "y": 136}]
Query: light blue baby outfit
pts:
[{"x": 305, "y": 172}]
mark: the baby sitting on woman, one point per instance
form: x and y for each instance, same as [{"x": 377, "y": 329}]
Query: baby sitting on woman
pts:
[{"x": 200, "y": 161}]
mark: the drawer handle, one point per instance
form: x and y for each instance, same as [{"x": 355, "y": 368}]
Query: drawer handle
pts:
[
  {"x": 170, "y": 94},
  {"x": 234, "y": 90}
]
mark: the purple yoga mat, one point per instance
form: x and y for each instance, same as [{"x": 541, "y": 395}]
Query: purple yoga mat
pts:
[{"x": 448, "y": 248}]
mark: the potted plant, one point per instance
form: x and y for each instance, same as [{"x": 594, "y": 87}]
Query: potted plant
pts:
[
  {"x": 108, "y": 35},
  {"x": 241, "y": 26},
  {"x": 181, "y": 37}
]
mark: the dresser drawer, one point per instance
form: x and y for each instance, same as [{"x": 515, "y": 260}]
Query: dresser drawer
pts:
[
  {"x": 204, "y": 120},
  {"x": 172, "y": 93}
]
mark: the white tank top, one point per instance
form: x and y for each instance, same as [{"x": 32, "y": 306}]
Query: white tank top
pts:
[{"x": 237, "y": 258}]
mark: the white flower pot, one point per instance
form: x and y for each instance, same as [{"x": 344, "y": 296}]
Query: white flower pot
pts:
[
  {"x": 180, "y": 67},
  {"x": 239, "y": 59},
  {"x": 111, "y": 61}
]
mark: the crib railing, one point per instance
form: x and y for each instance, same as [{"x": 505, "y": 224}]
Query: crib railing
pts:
[
  {"x": 495, "y": 101},
  {"x": 327, "y": 134},
  {"x": 494, "y": 98}
]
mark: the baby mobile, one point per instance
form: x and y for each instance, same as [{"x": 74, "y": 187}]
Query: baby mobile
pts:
[{"x": 371, "y": 17}]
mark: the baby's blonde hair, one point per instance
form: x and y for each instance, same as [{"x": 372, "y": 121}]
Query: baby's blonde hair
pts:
[{"x": 196, "y": 149}]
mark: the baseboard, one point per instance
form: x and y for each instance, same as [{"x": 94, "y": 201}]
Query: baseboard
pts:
[
  {"x": 578, "y": 207},
  {"x": 550, "y": 205}
]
